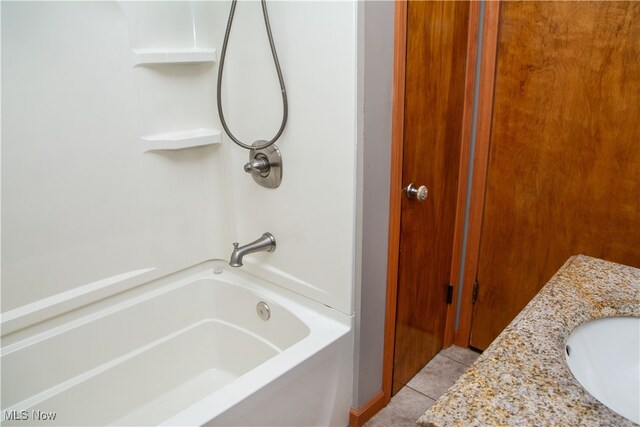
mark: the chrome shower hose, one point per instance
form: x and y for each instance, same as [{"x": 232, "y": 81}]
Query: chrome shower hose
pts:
[{"x": 285, "y": 107}]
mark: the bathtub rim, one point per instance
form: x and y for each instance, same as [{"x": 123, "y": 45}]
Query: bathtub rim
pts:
[
  {"x": 19, "y": 324},
  {"x": 205, "y": 270}
]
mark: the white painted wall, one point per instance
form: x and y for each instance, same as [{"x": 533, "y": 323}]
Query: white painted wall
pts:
[{"x": 377, "y": 29}]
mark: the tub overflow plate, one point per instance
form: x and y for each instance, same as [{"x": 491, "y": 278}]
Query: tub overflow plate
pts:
[{"x": 263, "y": 310}]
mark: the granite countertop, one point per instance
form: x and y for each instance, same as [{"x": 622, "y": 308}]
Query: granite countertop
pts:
[{"x": 523, "y": 377}]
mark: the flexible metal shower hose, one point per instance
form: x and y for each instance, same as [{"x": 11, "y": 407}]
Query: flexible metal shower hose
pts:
[{"x": 285, "y": 107}]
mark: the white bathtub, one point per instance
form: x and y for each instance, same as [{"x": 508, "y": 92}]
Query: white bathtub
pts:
[{"x": 187, "y": 351}]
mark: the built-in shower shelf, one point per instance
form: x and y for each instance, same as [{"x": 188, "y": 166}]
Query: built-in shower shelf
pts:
[
  {"x": 173, "y": 56},
  {"x": 178, "y": 140}
]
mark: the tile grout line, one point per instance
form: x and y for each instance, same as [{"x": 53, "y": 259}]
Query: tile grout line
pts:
[
  {"x": 418, "y": 391},
  {"x": 464, "y": 365},
  {"x": 457, "y": 361},
  {"x": 426, "y": 395}
]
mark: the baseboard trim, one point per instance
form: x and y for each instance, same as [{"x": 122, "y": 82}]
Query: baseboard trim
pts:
[{"x": 357, "y": 417}]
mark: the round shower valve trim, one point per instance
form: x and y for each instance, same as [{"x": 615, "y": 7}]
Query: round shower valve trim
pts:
[{"x": 265, "y": 165}]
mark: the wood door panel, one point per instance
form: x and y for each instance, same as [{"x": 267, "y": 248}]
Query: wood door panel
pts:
[
  {"x": 434, "y": 95},
  {"x": 564, "y": 164}
]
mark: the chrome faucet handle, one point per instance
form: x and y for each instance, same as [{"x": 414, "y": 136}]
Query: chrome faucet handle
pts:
[
  {"x": 259, "y": 164},
  {"x": 235, "y": 245}
]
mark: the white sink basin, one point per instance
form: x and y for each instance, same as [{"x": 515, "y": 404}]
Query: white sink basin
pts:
[{"x": 604, "y": 356}]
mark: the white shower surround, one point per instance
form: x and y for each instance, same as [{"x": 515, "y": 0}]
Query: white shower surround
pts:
[{"x": 76, "y": 185}]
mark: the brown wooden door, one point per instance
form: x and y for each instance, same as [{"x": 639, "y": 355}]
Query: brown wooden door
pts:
[
  {"x": 435, "y": 74},
  {"x": 564, "y": 163}
]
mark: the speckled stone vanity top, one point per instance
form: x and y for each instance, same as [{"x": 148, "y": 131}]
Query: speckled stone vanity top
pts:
[{"x": 523, "y": 378}]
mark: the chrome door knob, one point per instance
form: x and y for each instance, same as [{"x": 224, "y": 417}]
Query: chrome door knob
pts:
[{"x": 418, "y": 193}]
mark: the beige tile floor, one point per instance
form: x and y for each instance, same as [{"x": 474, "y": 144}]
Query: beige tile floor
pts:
[{"x": 424, "y": 389}]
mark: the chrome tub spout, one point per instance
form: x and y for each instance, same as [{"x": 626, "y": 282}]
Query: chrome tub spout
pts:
[{"x": 266, "y": 243}]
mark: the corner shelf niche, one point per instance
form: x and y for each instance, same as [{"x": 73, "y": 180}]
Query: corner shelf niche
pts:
[
  {"x": 173, "y": 56},
  {"x": 178, "y": 140}
]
